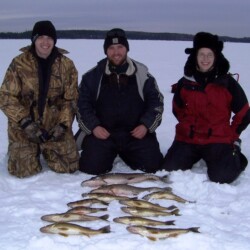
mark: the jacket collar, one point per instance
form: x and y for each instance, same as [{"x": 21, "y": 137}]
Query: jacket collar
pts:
[{"x": 130, "y": 71}]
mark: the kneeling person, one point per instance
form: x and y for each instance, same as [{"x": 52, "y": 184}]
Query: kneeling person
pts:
[
  {"x": 39, "y": 95},
  {"x": 120, "y": 107}
]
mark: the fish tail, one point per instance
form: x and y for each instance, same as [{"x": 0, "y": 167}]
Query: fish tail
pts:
[
  {"x": 191, "y": 201},
  {"x": 194, "y": 229},
  {"x": 165, "y": 179},
  {"x": 168, "y": 189},
  {"x": 105, "y": 229},
  {"x": 146, "y": 197},
  {"x": 176, "y": 212},
  {"x": 104, "y": 217},
  {"x": 171, "y": 207},
  {"x": 170, "y": 222}
]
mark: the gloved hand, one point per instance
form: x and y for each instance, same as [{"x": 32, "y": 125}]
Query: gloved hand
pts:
[
  {"x": 237, "y": 146},
  {"x": 237, "y": 151},
  {"x": 34, "y": 133},
  {"x": 57, "y": 133}
]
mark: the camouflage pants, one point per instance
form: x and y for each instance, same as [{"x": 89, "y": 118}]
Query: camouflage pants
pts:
[{"x": 24, "y": 156}]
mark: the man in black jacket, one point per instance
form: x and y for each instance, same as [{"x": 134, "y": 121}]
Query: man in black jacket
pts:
[{"x": 119, "y": 109}]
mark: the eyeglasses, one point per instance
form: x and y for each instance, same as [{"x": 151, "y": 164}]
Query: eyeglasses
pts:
[
  {"x": 206, "y": 56},
  {"x": 116, "y": 33}
]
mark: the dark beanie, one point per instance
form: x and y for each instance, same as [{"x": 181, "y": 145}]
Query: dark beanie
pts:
[
  {"x": 43, "y": 28},
  {"x": 205, "y": 40},
  {"x": 115, "y": 36}
]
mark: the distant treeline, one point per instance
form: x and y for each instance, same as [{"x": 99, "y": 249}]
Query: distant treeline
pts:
[{"x": 134, "y": 35}]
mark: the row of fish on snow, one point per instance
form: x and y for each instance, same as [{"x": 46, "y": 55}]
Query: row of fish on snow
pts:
[{"x": 117, "y": 186}]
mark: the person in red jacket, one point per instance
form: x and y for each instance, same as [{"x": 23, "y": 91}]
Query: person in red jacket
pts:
[{"x": 212, "y": 110}]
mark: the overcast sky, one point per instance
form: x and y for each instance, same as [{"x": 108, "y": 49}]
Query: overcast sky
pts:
[{"x": 222, "y": 17}]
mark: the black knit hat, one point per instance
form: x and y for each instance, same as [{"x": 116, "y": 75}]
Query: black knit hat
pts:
[
  {"x": 44, "y": 28},
  {"x": 115, "y": 36},
  {"x": 205, "y": 40}
]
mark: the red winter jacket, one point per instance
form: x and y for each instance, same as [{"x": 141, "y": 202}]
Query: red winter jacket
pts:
[{"x": 204, "y": 110}]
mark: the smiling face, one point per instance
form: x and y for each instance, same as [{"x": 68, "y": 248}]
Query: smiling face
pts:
[
  {"x": 205, "y": 59},
  {"x": 117, "y": 54},
  {"x": 44, "y": 46}
]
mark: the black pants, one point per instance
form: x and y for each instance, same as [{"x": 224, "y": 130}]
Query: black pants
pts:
[
  {"x": 98, "y": 155},
  {"x": 223, "y": 161}
]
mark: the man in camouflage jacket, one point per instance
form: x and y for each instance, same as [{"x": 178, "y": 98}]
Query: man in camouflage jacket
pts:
[{"x": 39, "y": 95}]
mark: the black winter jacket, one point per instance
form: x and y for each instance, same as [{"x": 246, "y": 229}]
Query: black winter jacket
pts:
[{"x": 124, "y": 108}]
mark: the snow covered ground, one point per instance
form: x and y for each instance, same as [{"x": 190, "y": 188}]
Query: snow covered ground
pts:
[{"x": 221, "y": 211}]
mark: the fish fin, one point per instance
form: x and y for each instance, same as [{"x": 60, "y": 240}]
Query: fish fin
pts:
[
  {"x": 152, "y": 238},
  {"x": 112, "y": 192},
  {"x": 130, "y": 178},
  {"x": 133, "y": 198},
  {"x": 65, "y": 235},
  {"x": 173, "y": 235}
]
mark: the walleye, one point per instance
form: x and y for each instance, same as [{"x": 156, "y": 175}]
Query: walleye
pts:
[
  {"x": 104, "y": 197},
  {"x": 86, "y": 203},
  {"x": 67, "y": 217},
  {"x": 126, "y": 190},
  {"x": 140, "y": 221},
  {"x": 122, "y": 178},
  {"x": 165, "y": 195},
  {"x": 145, "y": 204},
  {"x": 66, "y": 229},
  {"x": 137, "y": 211},
  {"x": 153, "y": 233},
  {"x": 85, "y": 210}
]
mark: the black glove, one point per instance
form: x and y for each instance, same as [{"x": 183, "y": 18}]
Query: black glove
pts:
[
  {"x": 34, "y": 133},
  {"x": 237, "y": 151},
  {"x": 58, "y": 132},
  {"x": 237, "y": 147}
]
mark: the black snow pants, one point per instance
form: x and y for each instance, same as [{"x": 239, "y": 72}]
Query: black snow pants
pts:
[
  {"x": 97, "y": 156},
  {"x": 224, "y": 162}
]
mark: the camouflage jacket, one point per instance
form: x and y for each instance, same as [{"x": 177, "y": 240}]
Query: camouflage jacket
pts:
[{"x": 20, "y": 90}]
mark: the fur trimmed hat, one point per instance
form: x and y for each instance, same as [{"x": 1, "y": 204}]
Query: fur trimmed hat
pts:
[
  {"x": 205, "y": 40},
  {"x": 115, "y": 36},
  {"x": 43, "y": 28}
]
